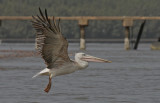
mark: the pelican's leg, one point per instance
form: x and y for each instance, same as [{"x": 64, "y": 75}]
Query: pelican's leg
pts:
[{"x": 49, "y": 84}]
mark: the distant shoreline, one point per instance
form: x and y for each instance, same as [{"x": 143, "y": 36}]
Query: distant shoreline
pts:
[{"x": 77, "y": 40}]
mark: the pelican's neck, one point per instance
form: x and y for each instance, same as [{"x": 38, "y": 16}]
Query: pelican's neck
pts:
[{"x": 81, "y": 63}]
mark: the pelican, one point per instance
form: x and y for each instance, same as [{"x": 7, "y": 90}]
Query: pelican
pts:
[{"x": 53, "y": 49}]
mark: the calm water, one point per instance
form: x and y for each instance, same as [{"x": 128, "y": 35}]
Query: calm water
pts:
[{"x": 133, "y": 77}]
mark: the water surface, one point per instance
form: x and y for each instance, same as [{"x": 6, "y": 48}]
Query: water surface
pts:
[{"x": 133, "y": 77}]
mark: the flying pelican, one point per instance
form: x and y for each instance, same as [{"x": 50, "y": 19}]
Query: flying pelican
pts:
[{"x": 53, "y": 48}]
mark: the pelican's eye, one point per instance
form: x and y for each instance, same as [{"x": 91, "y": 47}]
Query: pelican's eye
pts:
[{"x": 83, "y": 54}]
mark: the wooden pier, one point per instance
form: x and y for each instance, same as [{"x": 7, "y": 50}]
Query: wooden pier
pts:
[{"x": 83, "y": 21}]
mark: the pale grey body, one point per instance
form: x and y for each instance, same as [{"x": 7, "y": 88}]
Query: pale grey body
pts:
[
  {"x": 71, "y": 67},
  {"x": 66, "y": 68}
]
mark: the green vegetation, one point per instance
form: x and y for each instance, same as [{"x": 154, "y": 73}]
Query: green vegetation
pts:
[{"x": 96, "y": 29}]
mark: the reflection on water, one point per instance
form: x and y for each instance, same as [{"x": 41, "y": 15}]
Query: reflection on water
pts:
[{"x": 132, "y": 77}]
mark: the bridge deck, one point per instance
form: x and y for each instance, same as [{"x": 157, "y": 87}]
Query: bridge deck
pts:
[{"x": 86, "y": 17}]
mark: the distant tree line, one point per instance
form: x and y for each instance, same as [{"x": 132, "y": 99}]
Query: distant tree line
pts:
[{"x": 96, "y": 29}]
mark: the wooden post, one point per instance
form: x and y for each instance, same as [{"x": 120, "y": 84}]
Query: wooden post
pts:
[
  {"x": 82, "y": 23},
  {"x": 0, "y": 39},
  {"x": 127, "y": 23},
  {"x": 139, "y": 34},
  {"x": 126, "y": 39},
  {"x": 82, "y": 38}
]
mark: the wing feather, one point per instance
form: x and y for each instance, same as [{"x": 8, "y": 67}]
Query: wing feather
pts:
[{"x": 52, "y": 46}]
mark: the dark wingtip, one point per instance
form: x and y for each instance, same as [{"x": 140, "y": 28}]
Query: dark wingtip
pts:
[
  {"x": 45, "y": 10},
  {"x": 41, "y": 14},
  {"x": 46, "y": 13},
  {"x": 39, "y": 9}
]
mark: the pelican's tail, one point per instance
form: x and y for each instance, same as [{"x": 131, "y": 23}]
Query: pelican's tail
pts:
[{"x": 45, "y": 71}]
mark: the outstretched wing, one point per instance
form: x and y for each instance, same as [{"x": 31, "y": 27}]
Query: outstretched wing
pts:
[{"x": 50, "y": 43}]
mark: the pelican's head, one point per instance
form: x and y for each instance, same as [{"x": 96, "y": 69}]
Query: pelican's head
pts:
[{"x": 82, "y": 59}]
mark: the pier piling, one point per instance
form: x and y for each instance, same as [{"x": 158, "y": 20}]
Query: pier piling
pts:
[
  {"x": 139, "y": 34},
  {"x": 126, "y": 39},
  {"x": 0, "y": 39},
  {"x": 127, "y": 23},
  {"x": 82, "y": 38},
  {"x": 82, "y": 23}
]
